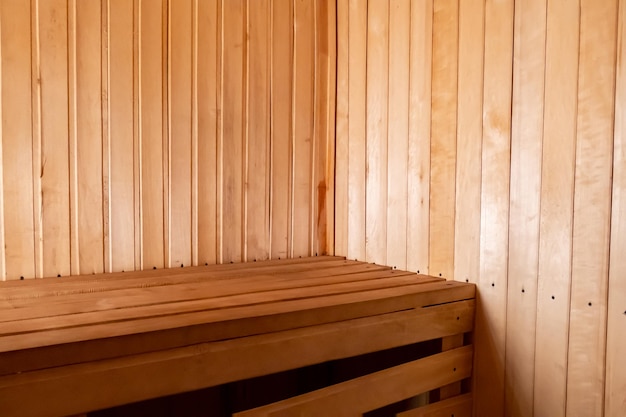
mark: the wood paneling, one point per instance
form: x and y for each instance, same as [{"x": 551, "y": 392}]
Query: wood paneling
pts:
[
  {"x": 521, "y": 150},
  {"x": 615, "y": 388},
  {"x": 141, "y": 134}
]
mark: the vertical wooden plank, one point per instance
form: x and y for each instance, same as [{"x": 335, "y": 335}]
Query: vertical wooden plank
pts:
[
  {"x": 527, "y": 132},
  {"x": 208, "y": 114},
  {"x": 469, "y": 140},
  {"x": 342, "y": 138},
  {"x": 398, "y": 133},
  {"x": 88, "y": 124},
  {"x": 281, "y": 126},
  {"x": 257, "y": 180},
  {"x": 3, "y": 272},
  {"x": 37, "y": 133},
  {"x": 324, "y": 112},
  {"x": 55, "y": 187},
  {"x": 443, "y": 137},
  {"x": 615, "y": 390},
  {"x": 555, "y": 227},
  {"x": 592, "y": 209},
  {"x": 377, "y": 123},
  {"x": 491, "y": 312},
  {"x": 121, "y": 135},
  {"x": 17, "y": 140},
  {"x": 233, "y": 68},
  {"x": 151, "y": 133},
  {"x": 357, "y": 128},
  {"x": 179, "y": 112},
  {"x": 420, "y": 99},
  {"x": 303, "y": 90}
]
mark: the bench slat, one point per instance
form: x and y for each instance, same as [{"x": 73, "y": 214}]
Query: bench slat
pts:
[
  {"x": 83, "y": 387},
  {"x": 367, "y": 393},
  {"x": 135, "y": 297},
  {"x": 153, "y": 304},
  {"x": 459, "y": 406}
]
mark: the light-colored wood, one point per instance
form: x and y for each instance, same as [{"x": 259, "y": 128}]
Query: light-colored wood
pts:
[
  {"x": 179, "y": 139},
  {"x": 459, "y": 406},
  {"x": 469, "y": 136},
  {"x": 526, "y": 146},
  {"x": 134, "y": 164},
  {"x": 443, "y": 137},
  {"x": 369, "y": 392},
  {"x": 377, "y": 85},
  {"x": 87, "y": 110},
  {"x": 592, "y": 209},
  {"x": 323, "y": 180},
  {"x": 231, "y": 152},
  {"x": 420, "y": 74},
  {"x": 257, "y": 167},
  {"x": 132, "y": 298},
  {"x": 491, "y": 318},
  {"x": 342, "y": 129},
  {"x": 357, "y": 125},
  {"x": 151, "y": 134},
  {"x": 281, "y": 126},
  {"x": 187, "y": 369},
  {"x": 448, "y": 343},
  {"x": 303, "y": 138},
  {"x": 208, "y": 51},
  {"x": 59, "y": 348},
  {"x": 555, "y": 227},
  {"x": 398, "y": 133},
  {"x": 121, "y": 140},
  {"x": 17, "y": 143},
  {"x": 615, "y": 387},
  {"x": 55, "y": 187}
]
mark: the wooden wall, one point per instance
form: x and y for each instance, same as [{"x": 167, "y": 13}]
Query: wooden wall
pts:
[
  {"x": 152, "y": 133},
  {"x": 484, "y": 141}
]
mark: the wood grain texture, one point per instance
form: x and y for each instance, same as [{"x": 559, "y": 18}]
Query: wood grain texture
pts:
[
  {"x": 303, "y": 118},
  {"x": 281, "y": 126},
  {"x": 356, "y": 136},
  {"x": 208, "y": 108},
  {"x": 257, "y": 167},
  {"x": 89, "y": 178},
  {"x": 359, "y": 395},
  {"x": 418, "y": 169},
  {"x": 615, "y": 388},
  {"x": 17, "y": 143},
  {"x": 469, "y": 137},
  {"x": 557, "y": 192},
  {"x": 151, "y": 138},
  {"x": 443, "y": 137},
  {"x": 526, "y": 150},
  {"x": 377, "y": 125},
  {"x": 398, "y": 133},
  {"x": 592, "y": 209},
  {"x": 179, "y": 139},
  {"x": 122, "y": 138},
  {"x": 342, "y": 217}
]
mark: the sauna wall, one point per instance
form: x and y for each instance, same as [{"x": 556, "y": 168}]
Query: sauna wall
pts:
[
  {"x": 141, "y": 134},
  {"x": 484, "y": 141}
]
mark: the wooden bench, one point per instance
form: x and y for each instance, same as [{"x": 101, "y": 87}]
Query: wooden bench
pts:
[{"x": 75, "y": 344}]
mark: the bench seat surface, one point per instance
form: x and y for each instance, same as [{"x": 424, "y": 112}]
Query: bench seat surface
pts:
[{"x": 205, "y": 325}]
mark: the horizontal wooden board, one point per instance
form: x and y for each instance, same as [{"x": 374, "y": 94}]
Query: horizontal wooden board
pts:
[
  {"x": 304, "y": 263},
  {"x": 354, "y": 397},
  {"x": 78, "y": 388},
  {"x": 172, "y": 295},
  {"x": 177, "y": 276},
  {"x": 459, "y": 406},
  {"x": 63, "y": 346}
]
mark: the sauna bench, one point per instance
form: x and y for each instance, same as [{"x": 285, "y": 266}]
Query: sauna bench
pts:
[{"x": 76, "y": 344}]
